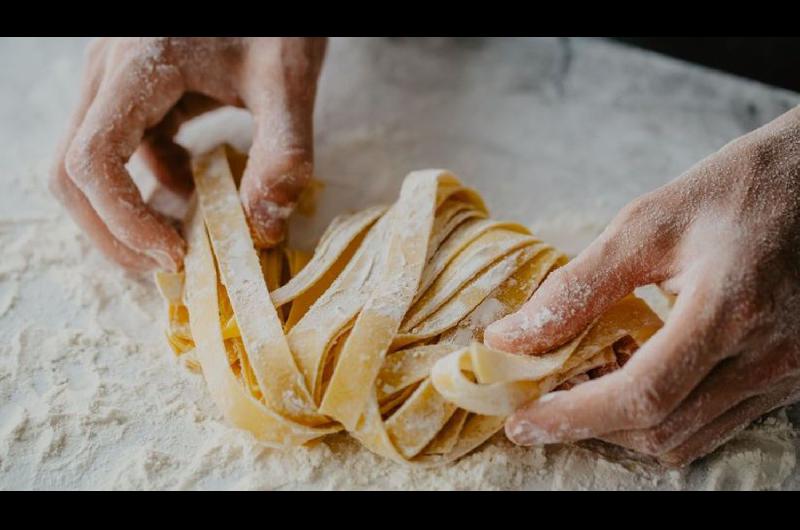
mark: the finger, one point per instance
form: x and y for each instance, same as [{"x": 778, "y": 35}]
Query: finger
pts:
[
  {"x": 280, "y": 92},
  {"x": 68, "y": 193},
  {"x": 628, "y": 254},
  {"x": 731, "y": 382},
  {"x": 641, "y": 394},
  {"x": 729, "y": 424},
  {"x": 169, "y": 161},
  {"x": 134, "y": 97},
  {"x": 87, "y": 219}
]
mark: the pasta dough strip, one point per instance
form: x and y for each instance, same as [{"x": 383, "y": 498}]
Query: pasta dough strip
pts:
[
  {"x": 460, "y": 304},
  {"x": 506, "y": 381},
  {"x": 236, "y": 404},
  {"x": 360, "y": 361},
  {"x": 485, "y": 250},
  {"x": 455, "y": 243},
  {"x": 431, "y": 270},
  {"x": 325, "y": 255},
  {"x": 314, "y": 334},
  {"x": 261, "y": 328}
]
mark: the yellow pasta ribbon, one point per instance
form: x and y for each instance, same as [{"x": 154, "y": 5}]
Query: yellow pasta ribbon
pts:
[{"x": 379, "y": 331}]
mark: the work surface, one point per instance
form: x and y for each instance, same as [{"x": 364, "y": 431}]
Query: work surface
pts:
[{"x": 555, "y": 133}]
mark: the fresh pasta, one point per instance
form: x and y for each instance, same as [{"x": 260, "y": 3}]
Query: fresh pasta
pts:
[{"x": 379, "y": 331}]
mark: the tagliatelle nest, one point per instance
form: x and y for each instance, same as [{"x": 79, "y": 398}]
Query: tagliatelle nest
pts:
[{"x": 379, "y": 332}]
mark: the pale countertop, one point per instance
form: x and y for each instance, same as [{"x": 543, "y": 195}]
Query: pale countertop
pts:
[{"x": 555, "y": 133}]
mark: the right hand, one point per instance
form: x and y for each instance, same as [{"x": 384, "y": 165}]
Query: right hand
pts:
[
  {"x": 724, "y": 238},
  {"x": 138, "y": 91}
]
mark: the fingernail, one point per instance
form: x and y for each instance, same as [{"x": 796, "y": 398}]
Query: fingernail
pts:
[
  {"x": 499, "y": 327},
  {"x": 268, "y": 221},
  {"x": 163, "y": 259},
  {"x": 272, "y": 210},
  {"x": 269, "y": 233},
  {"x": 525, "y": 432},
  {"x": 496, "y": 334}
]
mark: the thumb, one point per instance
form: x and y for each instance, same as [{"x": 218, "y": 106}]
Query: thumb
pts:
[{"x": 573, "y": 296}]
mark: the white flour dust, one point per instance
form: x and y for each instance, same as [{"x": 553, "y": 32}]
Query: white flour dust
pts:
[{"x": 91, "y": 396}]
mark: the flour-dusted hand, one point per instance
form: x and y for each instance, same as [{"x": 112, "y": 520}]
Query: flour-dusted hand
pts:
[
  {"x": 137, "y": 92},
  {"x": 724, "y": 237}
]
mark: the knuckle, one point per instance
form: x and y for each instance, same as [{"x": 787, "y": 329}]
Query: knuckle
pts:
[
  {"x": 643, "y": 234},
  {"x": 57, "y": 186},
  {"x": 625, "y": 227},
  {"x": 613, "y": 245},
  {"x": 635, "y": 210},
  {"x": 758, "y": 155},
  {"x": 83, "y": 159},
  {"x": 76, "y": 161}
]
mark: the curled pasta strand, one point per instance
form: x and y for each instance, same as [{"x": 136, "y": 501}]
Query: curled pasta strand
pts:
[{"x": 378, "y": 332}]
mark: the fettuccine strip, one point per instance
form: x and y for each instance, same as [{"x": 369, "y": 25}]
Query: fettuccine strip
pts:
[{"x": 378, "y": 332}]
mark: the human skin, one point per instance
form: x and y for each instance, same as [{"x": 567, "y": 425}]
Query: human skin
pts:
[
  {"x": 137, "y": 92},
  {"x": 725, "y": 238}
]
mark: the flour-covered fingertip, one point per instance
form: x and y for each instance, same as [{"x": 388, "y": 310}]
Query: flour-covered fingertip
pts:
[{"x": 522, "y": 431}]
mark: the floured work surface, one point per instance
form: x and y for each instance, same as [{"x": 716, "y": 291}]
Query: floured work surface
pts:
[
  {"x": 91, "y": 398},
  {"x": 378, "y": 332}
]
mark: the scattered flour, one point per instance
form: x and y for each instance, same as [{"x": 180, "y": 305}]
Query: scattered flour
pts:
[
  {"x": 90, "y": 395},
  {"x": 755, "y": 459}
]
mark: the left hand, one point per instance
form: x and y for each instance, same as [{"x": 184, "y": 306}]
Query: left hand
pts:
[{"x": 136, "y": 94}]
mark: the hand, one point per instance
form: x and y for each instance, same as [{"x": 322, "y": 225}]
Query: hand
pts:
[
  {"x": 137, "y": 92},
  {"x": 724, "y": 237}
]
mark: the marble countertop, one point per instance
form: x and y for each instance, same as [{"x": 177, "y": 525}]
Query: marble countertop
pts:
[{"x": 558, "y": 133}]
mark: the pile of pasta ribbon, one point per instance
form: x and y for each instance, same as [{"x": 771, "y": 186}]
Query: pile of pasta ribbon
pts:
[{"x": 379, "y": 331}]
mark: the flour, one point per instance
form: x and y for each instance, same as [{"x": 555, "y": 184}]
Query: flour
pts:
[
  {"x": 276, "y": 211},
  {"x": 531, "y": 324},
  {"x": 90, "y": 394},
  {"x": 753, "y": 459}
]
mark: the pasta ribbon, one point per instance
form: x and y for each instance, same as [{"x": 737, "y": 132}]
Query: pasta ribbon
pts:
[{"x": 379, "y": 331}]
